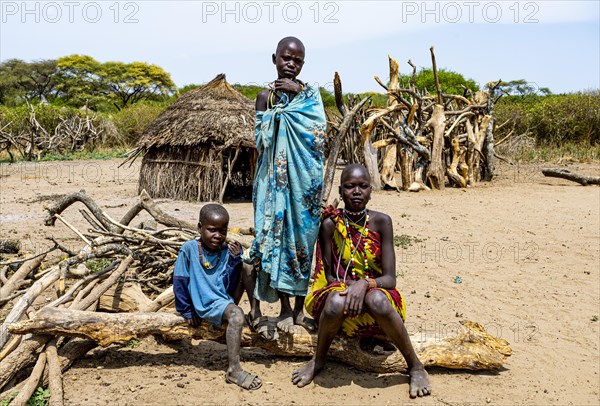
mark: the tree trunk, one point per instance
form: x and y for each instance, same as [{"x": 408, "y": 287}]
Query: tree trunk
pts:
[
  {"x": 471, "y": 347},
  {"x": 436, "y": 172},
  {"x": 566, "y": 174}
]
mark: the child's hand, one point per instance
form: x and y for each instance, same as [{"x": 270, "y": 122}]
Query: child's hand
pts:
[
  {"x": 194, "y": 321},
  {"x": 288, "y": 86},
  {"x": 235, "y": 248}
]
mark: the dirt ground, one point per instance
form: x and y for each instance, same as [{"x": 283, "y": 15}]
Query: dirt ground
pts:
[{"x": 526, "y": 248}]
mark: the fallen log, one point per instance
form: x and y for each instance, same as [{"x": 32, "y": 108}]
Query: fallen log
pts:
[
  {"x": 32, "y": 382},
  {"x": 65, "y": 202},
  {"x": 22, "y": 356},
  {"x": 67, "y": 354},
  {"x": 55, "y": 381},
  {"x": 471, "y": 347},
  {"x": 574, "y": 177},
  {"x": 26, "y": 300},
  {"x": 124, "y": 297}
]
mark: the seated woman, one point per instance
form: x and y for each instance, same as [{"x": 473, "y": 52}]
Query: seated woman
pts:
[{"x": 355, "y": 281}]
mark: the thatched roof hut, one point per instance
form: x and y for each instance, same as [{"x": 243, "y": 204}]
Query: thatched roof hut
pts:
[{"x": 201, "y": 147}]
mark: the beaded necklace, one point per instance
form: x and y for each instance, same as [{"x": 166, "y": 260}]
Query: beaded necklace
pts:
[
  {"x": 204, "y": 259},
  {"x": 355, "y": 213},
  {"x": 353, "y": 249}
]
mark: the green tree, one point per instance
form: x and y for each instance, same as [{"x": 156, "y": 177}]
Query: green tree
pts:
[
  {"x": 451, "y": 82},
  {"x": 79, "y": 82},
  {"x": 44, "y": 79},
  {"x": 250, "y": 91},
  {"x": 23, "y": 80},
  {"x": 131, "y": 82},
  {"x": 14, "y": 80},
  {"x": 85, "y": 80},
  {"x": 523, "y": 88}
]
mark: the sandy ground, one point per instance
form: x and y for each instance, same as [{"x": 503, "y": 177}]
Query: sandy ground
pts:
[{"x": 527, "y": 249}]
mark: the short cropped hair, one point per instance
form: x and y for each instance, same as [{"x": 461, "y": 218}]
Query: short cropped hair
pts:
[
  {"x": 355, "y": 167},
  {"x": 287, "y": 40},
  {"x": 212, "y": 210}
]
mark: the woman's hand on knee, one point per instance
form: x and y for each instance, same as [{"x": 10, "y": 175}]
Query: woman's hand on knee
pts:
[{"x": 355, "y": 297}]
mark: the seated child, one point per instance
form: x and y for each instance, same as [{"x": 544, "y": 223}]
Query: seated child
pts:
[
  {"x": 354, "y": 287},
  {"x": 208, "y": 286}
]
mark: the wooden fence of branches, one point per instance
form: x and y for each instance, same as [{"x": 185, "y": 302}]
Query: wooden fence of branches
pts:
[
  {"x": 433, "y": 140},
  {"x": 72, "y": 132}
]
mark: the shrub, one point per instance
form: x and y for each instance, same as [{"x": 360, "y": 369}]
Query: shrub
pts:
[
  {"x": 131, "y": 121},
  {"x": 553, "y": 120}
]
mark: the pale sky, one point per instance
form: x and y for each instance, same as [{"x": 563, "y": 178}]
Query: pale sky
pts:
[{"x": 555, "y": 44}]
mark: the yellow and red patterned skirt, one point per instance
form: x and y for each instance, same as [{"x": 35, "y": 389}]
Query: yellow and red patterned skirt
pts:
[{"x": 365, "y": 244}]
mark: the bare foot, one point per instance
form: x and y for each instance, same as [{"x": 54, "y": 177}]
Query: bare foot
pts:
[
  {"x": 419, "y": 382},
  {"x": 286, "y": 324},
  {"x": 303, "y": 376},
  {"x": 306, "y": 322}
]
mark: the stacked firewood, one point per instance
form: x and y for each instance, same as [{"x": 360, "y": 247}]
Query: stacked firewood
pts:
[{"x": 433, "y": 140}]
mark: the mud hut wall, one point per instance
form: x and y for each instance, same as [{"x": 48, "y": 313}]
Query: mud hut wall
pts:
[{"x": 182, "y": 173}]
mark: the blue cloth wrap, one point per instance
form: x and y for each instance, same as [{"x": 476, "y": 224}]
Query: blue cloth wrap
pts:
[{"x": 287, "y": 188}]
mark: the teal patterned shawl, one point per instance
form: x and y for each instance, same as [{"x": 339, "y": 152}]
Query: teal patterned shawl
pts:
[{"x": 288, "y": 182}]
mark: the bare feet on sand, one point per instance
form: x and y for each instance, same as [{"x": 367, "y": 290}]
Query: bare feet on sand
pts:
[
  {"x": 303, "y": 376},
  {"x": 419, "y": 382},
  {"x": 286, "y": 323},
  {"x": 306, "y": 322}
]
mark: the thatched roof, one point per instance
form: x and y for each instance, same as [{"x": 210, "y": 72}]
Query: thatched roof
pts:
[{"x": 214, "y": 114}]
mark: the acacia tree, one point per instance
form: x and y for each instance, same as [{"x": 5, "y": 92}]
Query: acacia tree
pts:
[
  {"x": 132, "y": 82},
  {"x": 523, "y": 88},
  {"x": 83, "y": 79},
  {"x": 79, "y": 81},
  {"x": 451, "y": 82},
  {"x": 22, "y": 80}
]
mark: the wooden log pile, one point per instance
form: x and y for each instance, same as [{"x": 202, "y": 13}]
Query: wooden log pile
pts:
[
  {"x": 433, "y": 140},
  {"x": 56, "y": 311}
]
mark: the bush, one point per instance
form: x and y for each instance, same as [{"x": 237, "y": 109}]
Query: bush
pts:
[
  {"x": 131, "y": 121},
  {"x": 553, "y": 120}
]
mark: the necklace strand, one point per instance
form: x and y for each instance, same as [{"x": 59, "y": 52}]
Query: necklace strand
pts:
[
  {"x": 353, "y": 249},
  {"x": 205, "y": 261},
  {"x": 355, "y": 213}
]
